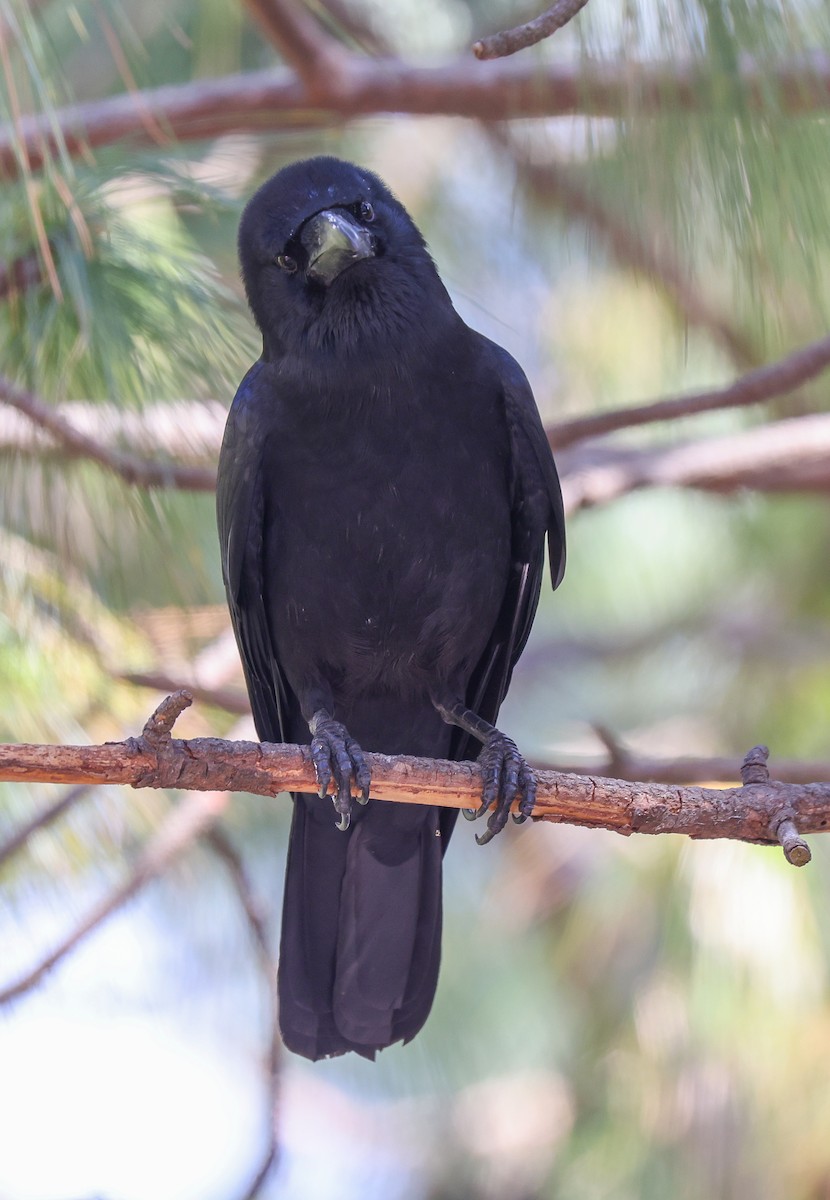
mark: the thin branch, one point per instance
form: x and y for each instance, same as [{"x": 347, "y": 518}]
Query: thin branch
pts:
[
  {"x": 632, "y": 250},
  {"x": 631, "y": 765},
  {"x": 189, "y": 432},
  {"x": 229, "y": 699},
  {"x": 206, "y": 675},
  {"x": 218, "y": 840},
  {"x": 211, "y": 764},
  {"x": 76, "y": 444},
  {"x": 220, "y": 843},
  {"x": 190, "y": 820},
  {"x": 357, "y": 26},
  {"x": 42, "y": 821},
  {"x": 755, "y": 387},
  {"x": 499, "y": 45},
  {"x": 500, "y": 90},
  {"x": 184, "y": 825},
  {"x": 300, "y": 39},
  {"x": 781, "y": 457}
]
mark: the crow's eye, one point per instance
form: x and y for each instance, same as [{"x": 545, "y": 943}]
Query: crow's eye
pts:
[
  {"x": 286, "y": 263},
  {"x": 365, "y": 211}
]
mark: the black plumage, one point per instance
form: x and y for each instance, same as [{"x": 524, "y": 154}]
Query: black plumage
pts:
[{"x": 385, "y": 489}]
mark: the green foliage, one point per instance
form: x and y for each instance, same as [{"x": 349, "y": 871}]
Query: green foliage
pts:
[{"x": 140, "y": 313}]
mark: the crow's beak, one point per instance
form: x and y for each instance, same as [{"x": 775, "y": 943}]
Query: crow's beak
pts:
[{"x": 334, "y": 241}]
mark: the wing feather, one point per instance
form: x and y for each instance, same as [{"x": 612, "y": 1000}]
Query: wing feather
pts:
[
  {"x": 536, "y": 513},
  {"x": 240, "y": 504}
]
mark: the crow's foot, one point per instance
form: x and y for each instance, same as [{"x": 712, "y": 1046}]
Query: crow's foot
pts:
[
  {"x": 337, "y": 760},
  {"x": 505, "y": 776}
]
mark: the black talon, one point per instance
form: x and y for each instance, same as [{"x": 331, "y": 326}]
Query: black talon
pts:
[
  {"x": 337, "y": 760},
  {"x": 362, "y": 777},
  {"x": 506, "y": 776}
]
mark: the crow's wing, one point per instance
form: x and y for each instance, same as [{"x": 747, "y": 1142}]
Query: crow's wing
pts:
[
  {"x": 536, "y": 512},
  {"x": 240, "y": 504}
]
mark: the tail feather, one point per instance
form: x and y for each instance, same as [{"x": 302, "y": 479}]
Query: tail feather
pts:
[{"x": 361, "y": 935}]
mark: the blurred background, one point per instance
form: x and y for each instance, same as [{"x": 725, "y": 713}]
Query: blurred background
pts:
[{"x": 628, "y": 1018}]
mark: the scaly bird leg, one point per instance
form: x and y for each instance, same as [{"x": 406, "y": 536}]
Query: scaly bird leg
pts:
[
  {"x": 505, "y": 773},
  {"x": 337, "y": 759}
]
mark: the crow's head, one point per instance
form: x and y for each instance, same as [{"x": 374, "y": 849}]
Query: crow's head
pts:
[{"x": 331, "y": 259}]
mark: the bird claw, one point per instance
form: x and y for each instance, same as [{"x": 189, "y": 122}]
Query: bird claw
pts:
[
  {"x": 337, "y": 760},
  {"x": 505, "y": 776}
]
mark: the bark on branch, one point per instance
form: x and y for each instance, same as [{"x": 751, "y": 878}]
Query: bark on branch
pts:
[
  {"x": 784, "y": 456},
  {"x": 764, "y": 383},
  {"x": 259, "y": 101},
  {"x": 499, "y": 45},
  {"x": 761, "y": 810},
  {"x": 77, "y": 444}
]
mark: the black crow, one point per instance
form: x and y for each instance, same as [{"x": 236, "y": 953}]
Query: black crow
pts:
[{"x": 385, "y": 490}]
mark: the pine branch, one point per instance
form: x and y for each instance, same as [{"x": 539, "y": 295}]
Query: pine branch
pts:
[
  {"x": 781, "y": 457},
  {"x": 753, "y": 813},
  {"x": 177, "y": 833},
  {"x": 185, "y": 432},
  {"x": 264, "y": 101},
  {"x": 765, "y": 383},
  {"x": 300, "y": 39},
  {"x": 42, "y": 820},
  {"x": 76, "y": 444},
  {"x": 632, "y": 250},
  {"x": 633, "y": 765},
  {"x": 509, "y": 41},
  {"x": 222, "y": 846}
]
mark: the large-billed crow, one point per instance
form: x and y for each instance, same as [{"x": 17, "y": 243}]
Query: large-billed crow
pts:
[{"x": 385, "y": 488}]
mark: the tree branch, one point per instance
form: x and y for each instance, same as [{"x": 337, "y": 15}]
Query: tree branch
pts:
[
  {"x": 211, "y": 764},
  {"x": 41, "y": 820},
  {"x": 218, "y": 840},
  {"x": 229, "y": 699},
  {"x": 357, "y": 26},
  {"x": 628, "y": 764},
  {"x": 76, "y": 444},
  {"x": 620, "y": 761},
  {"x": 499, "y": 45},
  {"x": 188, "y": 432},
  {"x": 301, "y": 41},
  {"x": 267, "y": 100},
  {"x": 782, "y": 457},
  {"x": 632, "y": 250},
  {"x": 763, "y": 383},
  {"x": 180, "y": 829}
]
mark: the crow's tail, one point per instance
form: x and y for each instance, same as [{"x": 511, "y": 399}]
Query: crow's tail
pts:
[{"x": 361, "y": 929}]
